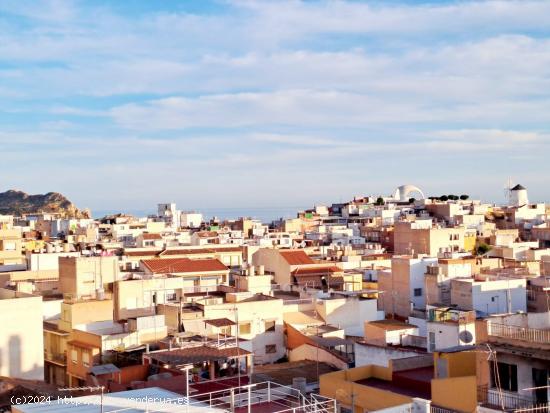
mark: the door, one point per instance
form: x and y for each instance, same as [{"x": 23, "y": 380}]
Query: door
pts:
[{"x": 540, "y": 379}]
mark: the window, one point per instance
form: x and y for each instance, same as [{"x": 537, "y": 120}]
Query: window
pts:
[
  {"x": 418, "y": 292},
  {"x": 431, "y": 341},
  {"x": 10, "y": 246},
  {"x": 270, "y": 325},
  {"x": 244, "y": 328},
  {"x": 508, "y": 374},
  {"x": 74, "y": 356},
  {"x": 86, "y": 359},
  {"x": 270, "y": 349},
  {"x": 171, "y": 297}
]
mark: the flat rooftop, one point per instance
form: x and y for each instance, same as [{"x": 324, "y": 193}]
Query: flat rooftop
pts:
[
  {"x": 411, "y": 383},
  {"x": 283, "y": 373}
]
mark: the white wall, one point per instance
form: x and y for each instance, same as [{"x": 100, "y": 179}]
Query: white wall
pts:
[
  {"x": 502, "y": 296},
  {"x": 51, "y": 309},
  {"x": 366, "y": 354},
  {"x": 349, "y": 314},
  {"x": 417, "y": 280},
  {"x": 47, "y": 261},
  {"x": 448, "y": 334},
  {"x": 21, "y": 336},
  {"x": 421, "y": 324}
]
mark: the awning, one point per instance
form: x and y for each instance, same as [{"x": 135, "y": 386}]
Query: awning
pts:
[
  {"x": 104, "y": 369},
  {"x": 220, "y": 322}
]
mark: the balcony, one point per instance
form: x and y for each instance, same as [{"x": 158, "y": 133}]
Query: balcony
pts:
[
  {"x": 411, "y": 340},
  {"x": 57, "y": 358},
  {"x": 502, "y": 400},
  {"x": 529, "y": 335}
]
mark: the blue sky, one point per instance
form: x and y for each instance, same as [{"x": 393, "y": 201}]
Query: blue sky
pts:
[{"x": 123, "y": 104}]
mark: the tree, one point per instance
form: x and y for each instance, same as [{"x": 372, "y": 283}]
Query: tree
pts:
[
  {"x": 464, "y": 197},
  {"x": 411, "y": 200},
  {"x": 444, "y": 198},
  {"x": 483, "y": 249},
  {"x": 452, "y": 197},
  {"x": 379, "y": 201}
]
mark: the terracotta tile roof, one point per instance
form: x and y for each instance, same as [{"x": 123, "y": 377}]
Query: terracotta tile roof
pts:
[
  {"x": 197, "y": 354},
  {"x": 315, "y": 271},
  {"x": 220, "y": 322},
  {"x": 181, "y": 265},
  {"x": 391, "y": 324},
  {"x": 316, "y": 280},
  {"x": 207, "y": 234},
  {"x": 197, "y": 251},
  {"x": 130, "y": 253},
  {"x": 151, "y": 236},
  {"x": 296, "y": 257}
]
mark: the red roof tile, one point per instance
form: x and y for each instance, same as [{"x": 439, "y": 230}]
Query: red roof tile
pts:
[
  {"x": 315, "y": 271},
  {"x": 151, "y": 236},
  {"x": 181, "y": 265},
  {"x": 296, "y": 257},
  {"x": 220, "y": 322},
  {"x": 193, "y": 251},
  {"x": 130, "y": 253},
  {"x": 197, "y": 354}
]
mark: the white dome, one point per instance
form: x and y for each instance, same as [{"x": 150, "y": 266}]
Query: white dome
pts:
[{"x": 402, "y": 193}]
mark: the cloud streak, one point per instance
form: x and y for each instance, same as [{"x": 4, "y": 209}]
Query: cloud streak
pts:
[{"x": 375, "y": 93}]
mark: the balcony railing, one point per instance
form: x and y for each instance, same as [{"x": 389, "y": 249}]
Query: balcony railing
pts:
[
  {"x": 437, "y": 409},
  {"x": 59, "y": 358},
  {"x": 531, "y": 335},
  {"x": 414, "y": 341},
  {"x": 500, "y": 400},
  {"x": 539, "y": 408},
  {"x": 298, "y": 301}
]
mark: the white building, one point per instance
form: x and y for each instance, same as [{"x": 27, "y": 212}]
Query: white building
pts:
[
  {"x": 488, "y": 297},
  {"x": 21, "y": 335},
  {"x": 190, "y": 219}
]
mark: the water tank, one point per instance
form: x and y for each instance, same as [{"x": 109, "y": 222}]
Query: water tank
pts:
[
  {"x": 299, "y": 383},
  {"x": 261, "y": 269},
  {"x": 252, "y": 271},
  {"x": 49, "y": 248}
]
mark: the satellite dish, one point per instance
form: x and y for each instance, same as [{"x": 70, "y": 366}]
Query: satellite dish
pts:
[{"x": 466, "y": 337}]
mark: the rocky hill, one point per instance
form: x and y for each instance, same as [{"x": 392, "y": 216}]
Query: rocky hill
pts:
[{"x": 18, "y": 202}]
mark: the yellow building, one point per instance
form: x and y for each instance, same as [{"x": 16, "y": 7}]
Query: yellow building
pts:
[
  {"x": 57, "y": 334},
  {"x": 10, "y": 246},
  {"x": 450, "y": 381},
  {"x": 85, "y": 277},
  {"x": 422, "y": 237}
]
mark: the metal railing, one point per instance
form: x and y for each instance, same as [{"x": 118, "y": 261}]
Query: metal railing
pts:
[
  {"x": 532, "y": 335},
  {"x": 414, "y": 341},
  {"x": 538, "y": 408},
  {"x": 283, "y": 399},
  {"x": 494, "y": 398},
  {"x": 60, "y": 358},
  {"x": 298, "y": 301},
  {"x": 437, "y": 409}
]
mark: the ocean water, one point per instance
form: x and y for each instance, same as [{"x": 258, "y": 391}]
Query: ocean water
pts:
[{"x": 264, "y": 214}]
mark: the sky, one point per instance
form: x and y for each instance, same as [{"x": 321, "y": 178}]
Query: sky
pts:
[{"x": 125, "y": 104}]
